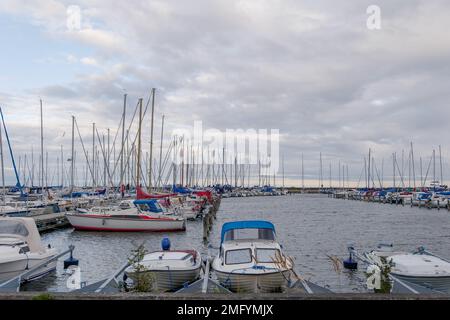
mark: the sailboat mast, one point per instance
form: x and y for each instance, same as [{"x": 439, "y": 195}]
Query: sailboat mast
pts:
[
  {"x": 440, "y": 164},
  {"x": 413, "y": 166},
  {"x": 123, "y": 143},
  {"x": 3, "y": 166},
  {"x": 42, "y": 150},
  {"x": 138, "y": 165},
  {"x": 93, "y": 157},
  {"x": 72, "y": 160},
  {"x": 160, "y": 153},
  {"x": 151, "y": 140}
]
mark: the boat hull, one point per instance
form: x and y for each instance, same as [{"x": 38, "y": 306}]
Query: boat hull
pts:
[
  {"x": 255, "y": 283},
  {"x": 11, "y": 269},
  {"x": 170, "y": 280},
  {"x": 437, "y": 283},
  {"x": 92, "y": 223}
]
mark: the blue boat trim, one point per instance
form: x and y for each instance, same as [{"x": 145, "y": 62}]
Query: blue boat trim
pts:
[{"x": 249, "y": 224}]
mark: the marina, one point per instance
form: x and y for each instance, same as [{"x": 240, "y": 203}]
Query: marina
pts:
[
  {"x": 230, "y": 155},
  {"x": 350, "y": 223}
]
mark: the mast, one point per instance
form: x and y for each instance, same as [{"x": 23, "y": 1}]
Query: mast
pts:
[
  {"x": 42, "y": 150},
  {"x": 440, "y": 164},
  {"x": 320, "y": 172},
  {"x": 12, "y": 155},
  {"x": 413, "y": 166},
  {"x": 138, "y": 165},
  {"x": 93, "y": 157},
  {"x": 368, "y": 170},
  {"x": 3, "y": 166},
  {"x": 303, "y": 174},
  {"x": 72, "y": 157},
  {"x": 151, "y": 140},
  {"x": 182, "y": 162},
  {"x": 108, "y": 158},
  {"x": 104, "y": 163},
  {"x": 330, "y": 176},
  {"x": 62, "y": 167},
  {"x": 393, "y": 166},
  {"x": 160, "y": 153},
  {"x": 123, "y": 144},
  {"x": 434, "y": 165}
]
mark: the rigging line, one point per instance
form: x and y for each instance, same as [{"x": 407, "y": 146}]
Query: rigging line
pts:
[
  {"x": 84, "y": 150},
  {"x": 359, "y": 179},
  {"x": 127, "y": 136},
  {"x": 426, "y": 175},
  {"x": 104, "y": 156},
  {"x": 378, "y": 175},
  {"x": 401, "y": 174},
  {"x": 166, "y": 160},
  {"x": 132, "y": 120}
]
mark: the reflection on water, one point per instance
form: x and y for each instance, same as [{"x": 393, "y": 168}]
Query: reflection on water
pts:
[{"x": 311, "y": 228}]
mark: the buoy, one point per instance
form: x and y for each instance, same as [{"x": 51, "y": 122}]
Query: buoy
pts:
[
  {"x": 165, "y": 244},
  {"x": 71, "y": 261},
  {"x": 350, "y": 263}
]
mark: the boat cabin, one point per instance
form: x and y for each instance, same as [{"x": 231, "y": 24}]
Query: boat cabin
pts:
[
  {"x": 148, "y": 205},
  {"x": 249, "y": 242},
  {"x": 248, "y": 230},
  {"x": 21, "y": 232}
]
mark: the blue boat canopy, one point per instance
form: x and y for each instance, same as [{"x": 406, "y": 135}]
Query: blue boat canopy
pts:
[
  {"x": 236, "y": 230},
  {"x": 151, "y": 205}
]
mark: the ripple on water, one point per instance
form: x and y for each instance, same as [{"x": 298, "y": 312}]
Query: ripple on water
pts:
[{"x": 310, "y": 227}]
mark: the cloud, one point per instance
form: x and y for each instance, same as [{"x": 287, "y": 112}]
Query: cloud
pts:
[{"x": 311, "y": 69}]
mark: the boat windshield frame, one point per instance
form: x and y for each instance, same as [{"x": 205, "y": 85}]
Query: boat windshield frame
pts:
[
  {"x": 8, "y": 226},
  {"x": 241, "y": 262},
  {"x": 231, "y": 230},
  {"x": 267, "y": 249}
]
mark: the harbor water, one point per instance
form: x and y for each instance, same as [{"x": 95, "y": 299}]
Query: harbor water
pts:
[{"x": 312, "y": 229}]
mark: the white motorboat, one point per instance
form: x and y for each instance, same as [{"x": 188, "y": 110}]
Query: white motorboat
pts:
[
  {"x": 124, "y": 220},
  {"x": 169, "y": 270},
  {"x": 21, "y": 249},
  {"x": 419, "y": 267},
  {"x": 250, "y": 259}
]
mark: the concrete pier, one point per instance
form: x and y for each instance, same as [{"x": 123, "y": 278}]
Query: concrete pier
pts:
[{"x": 213, "y": 297}]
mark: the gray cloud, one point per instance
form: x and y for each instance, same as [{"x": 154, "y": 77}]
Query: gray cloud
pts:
[{"x": 311, "y": 69}]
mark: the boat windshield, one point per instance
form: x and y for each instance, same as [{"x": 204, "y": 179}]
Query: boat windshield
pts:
[
  {"x": 13, "y": 227},
  {"x": 267, "y": 255},
  {"x": 238, "y": 256},
  {"x": 249, "y": 234}
]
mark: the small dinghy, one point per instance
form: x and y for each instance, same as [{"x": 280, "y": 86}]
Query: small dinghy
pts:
[
  {"x": 250, "y": 259},
  {"x": 169, "y": 270},
  {"x": 21, "y": 249}
]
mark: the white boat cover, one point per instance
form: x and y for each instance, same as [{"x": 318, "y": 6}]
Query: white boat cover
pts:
[{"x": 419, "y": 265}]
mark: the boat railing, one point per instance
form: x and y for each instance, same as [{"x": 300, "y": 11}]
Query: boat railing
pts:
[{"x": 113, "y": 278}]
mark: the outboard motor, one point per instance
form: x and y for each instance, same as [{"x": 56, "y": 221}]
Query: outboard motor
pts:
[{"x": 165, "y": 244}]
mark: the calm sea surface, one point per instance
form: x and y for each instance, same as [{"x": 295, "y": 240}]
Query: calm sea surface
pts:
[{"x": 311, "y": 228}]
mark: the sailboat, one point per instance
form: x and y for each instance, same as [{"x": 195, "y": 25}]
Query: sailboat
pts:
[{"x": 126, "y": 219}]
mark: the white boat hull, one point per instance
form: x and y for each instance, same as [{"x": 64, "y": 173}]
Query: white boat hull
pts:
[
  {"x": 90, "y": 223},
  {"x": 11, "y": 269},
  {"x": 255, "y": 283},
  {"x": 441, "y": 283},
  {"x": 170, "y": 280}
]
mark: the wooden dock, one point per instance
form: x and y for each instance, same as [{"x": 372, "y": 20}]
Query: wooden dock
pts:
[{"x": 51, "y": 221}]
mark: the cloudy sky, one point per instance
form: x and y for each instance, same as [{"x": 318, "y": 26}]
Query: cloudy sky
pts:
[{"x": 311, "y": 69}]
